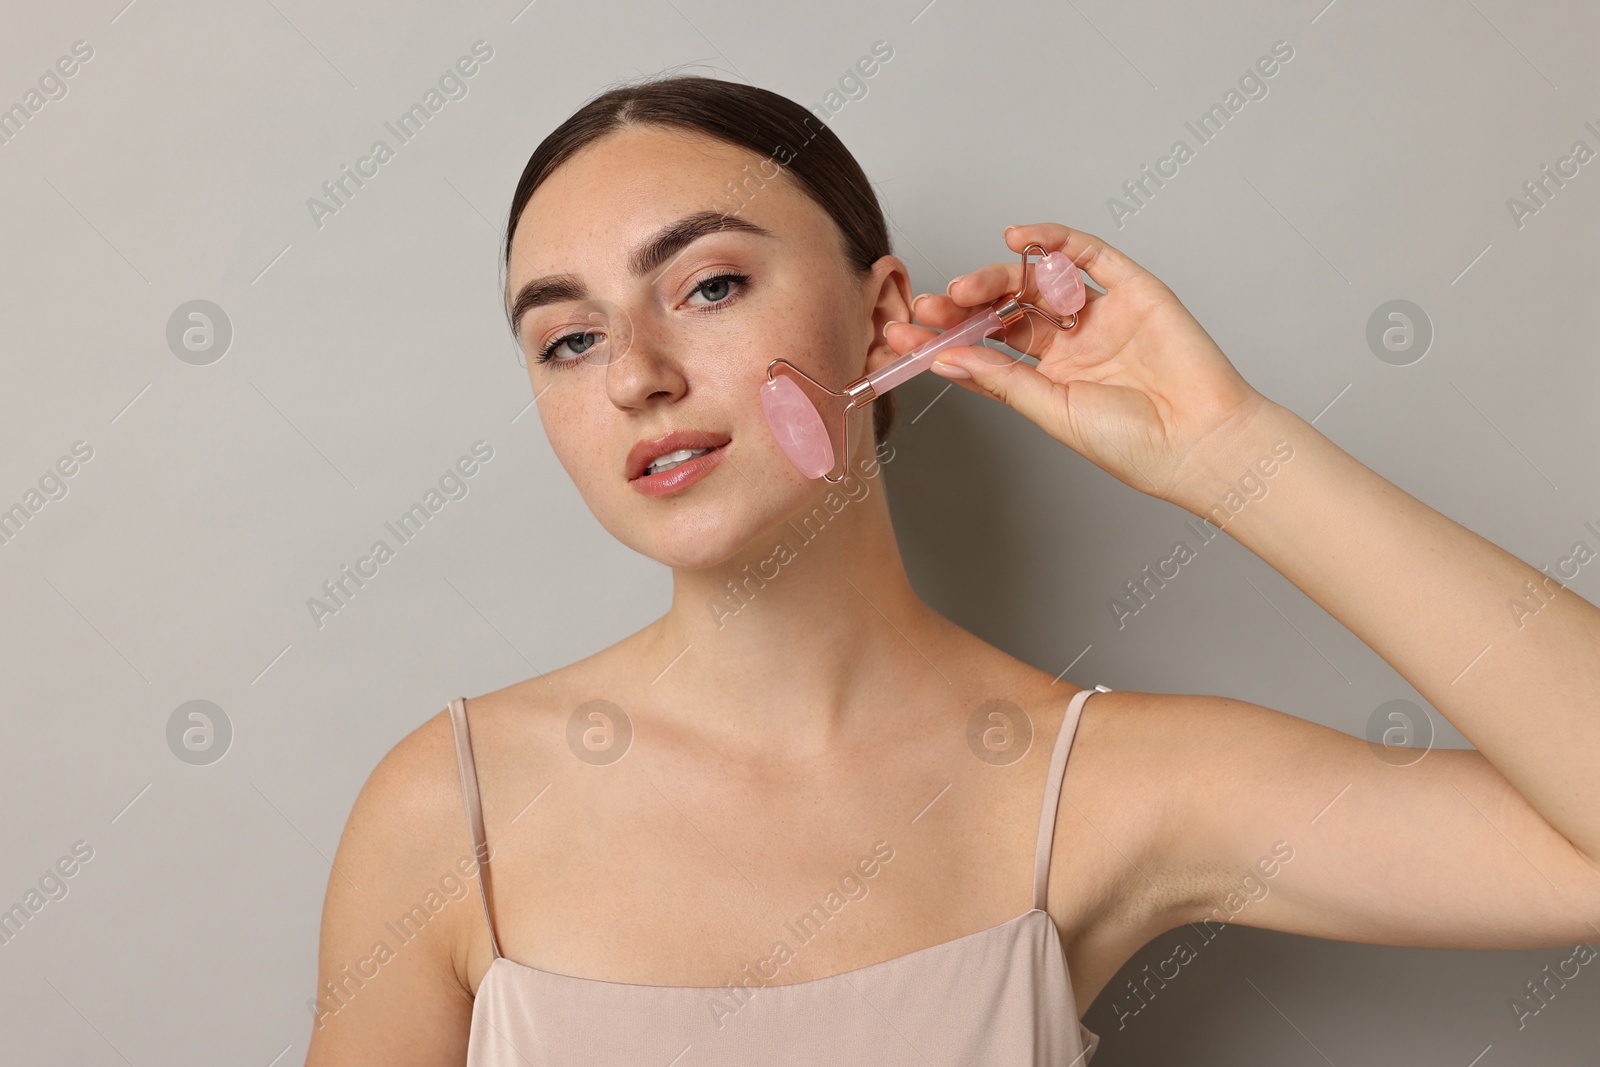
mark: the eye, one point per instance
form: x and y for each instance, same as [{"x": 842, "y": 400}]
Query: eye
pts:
[
  {"x": 718, "y": 290},
  {"x": 577, "y": 344}
]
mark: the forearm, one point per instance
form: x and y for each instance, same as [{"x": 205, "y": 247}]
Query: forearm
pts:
[{"x": 1502, "y": 650}]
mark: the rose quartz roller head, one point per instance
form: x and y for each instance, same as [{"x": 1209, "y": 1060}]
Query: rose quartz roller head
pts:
[{"x": 799, "y": 427}]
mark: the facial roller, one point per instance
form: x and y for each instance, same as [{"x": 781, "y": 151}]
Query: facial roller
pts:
[{"x": 796, "y": 422}]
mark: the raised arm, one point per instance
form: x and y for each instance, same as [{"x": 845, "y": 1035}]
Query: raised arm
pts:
[
  {"x": 1497, "y": 846},
  {"x": 1503, "y": 651},
  {"x": 1253, "y": 816}
]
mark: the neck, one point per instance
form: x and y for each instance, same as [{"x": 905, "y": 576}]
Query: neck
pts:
[{"x": 803, "y": 634}]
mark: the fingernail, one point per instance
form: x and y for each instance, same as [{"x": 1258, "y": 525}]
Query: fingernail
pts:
[{"x": 949, "y": 370}]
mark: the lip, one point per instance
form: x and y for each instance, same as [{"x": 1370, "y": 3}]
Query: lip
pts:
[{"x": 684, "y": 474}]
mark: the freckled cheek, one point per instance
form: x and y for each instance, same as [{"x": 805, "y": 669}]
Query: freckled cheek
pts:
[
  {"x": 731, "y": 367},
  {"x": 817, "y": 346},
  {"x": 576, "y": 438}
]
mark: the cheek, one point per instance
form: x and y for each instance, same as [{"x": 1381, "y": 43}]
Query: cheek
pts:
[
  {"x": 574, "y": 430},
  {"x": 825, "y": 347},
  {"x": 828, "y": 347}
]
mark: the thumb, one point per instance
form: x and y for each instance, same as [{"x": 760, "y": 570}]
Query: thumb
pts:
[{"x": 1010, "y": 381}]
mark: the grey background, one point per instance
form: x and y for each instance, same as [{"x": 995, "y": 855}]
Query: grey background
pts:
[{"x": 369, "y": 354}]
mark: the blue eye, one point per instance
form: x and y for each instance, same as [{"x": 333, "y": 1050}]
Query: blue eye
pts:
[
  {"x": 716, "y": 290},
  {"x": 578, "y": 344}
]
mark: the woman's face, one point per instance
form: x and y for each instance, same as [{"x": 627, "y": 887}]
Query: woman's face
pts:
[{"x": 632, "y": 331}]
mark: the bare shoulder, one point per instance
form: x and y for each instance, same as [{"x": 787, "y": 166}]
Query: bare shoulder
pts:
[
  {"x": 1138, "y": 762},
  {"x": 528, "y": 719},
  {"x": 394, "y": 893},
  {"x": 1150, "y": 779},
  {"x": 1152, "y": 768},
  {"x": 410, "y": 806}
]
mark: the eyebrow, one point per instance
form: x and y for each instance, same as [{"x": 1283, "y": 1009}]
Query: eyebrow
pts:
[{"x": 661, "y": 246}]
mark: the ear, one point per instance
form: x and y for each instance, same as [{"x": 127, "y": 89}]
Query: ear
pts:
[{"x": 887, "y": 291}]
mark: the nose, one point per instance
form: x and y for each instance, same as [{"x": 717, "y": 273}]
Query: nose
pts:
[{"x": 642, "y": 370}]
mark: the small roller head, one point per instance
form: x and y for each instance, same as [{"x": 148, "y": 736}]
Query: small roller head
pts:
[{"x": 1059, "y": 283}]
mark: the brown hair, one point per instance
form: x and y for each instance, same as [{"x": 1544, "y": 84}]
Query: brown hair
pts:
[{"x": 766, "y": 123}]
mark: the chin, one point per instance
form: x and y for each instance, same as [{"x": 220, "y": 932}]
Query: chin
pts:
[
  {"x": 696, "y": 548},
  {"x": 737, "y": 521}
]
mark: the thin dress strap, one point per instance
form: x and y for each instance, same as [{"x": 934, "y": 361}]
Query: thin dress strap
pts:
[
  {"x": 469, "y": 793},
  {"x": 1052, "y": 793}
]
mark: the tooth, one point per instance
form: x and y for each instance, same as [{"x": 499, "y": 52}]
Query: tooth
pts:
[{"x": 673, "y": 459}]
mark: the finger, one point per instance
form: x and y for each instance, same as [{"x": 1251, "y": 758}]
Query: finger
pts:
[
  {"x": 938, "y": 311},
  {"x": 989, "y": 283},
  {"x": 1013, "y": 382},
  {"x": 1105, "y": 264},
  {"x": 942, "y": 312},
  {"x": 952, "y": 365},
  {"x": 961, "y": 377},
  {"x": 1028, "y": 334},
  {"x": 904, "y": 336},
  {"x": 997, "y": 280}
]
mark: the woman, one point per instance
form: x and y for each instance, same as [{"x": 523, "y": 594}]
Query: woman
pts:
[{"x": 801, "y": 815}]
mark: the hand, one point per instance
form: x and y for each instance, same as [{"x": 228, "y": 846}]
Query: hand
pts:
[{"x": 1137, "y": 386}]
